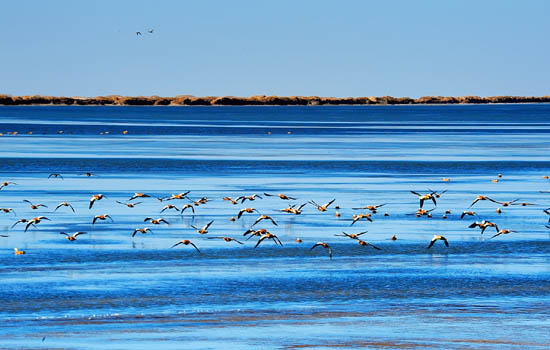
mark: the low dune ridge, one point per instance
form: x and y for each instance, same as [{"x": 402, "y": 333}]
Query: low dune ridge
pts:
[{"x": 259, "y": 100}]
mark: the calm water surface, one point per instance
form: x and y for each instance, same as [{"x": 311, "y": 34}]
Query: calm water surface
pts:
[{"x": 139, "y": 293}]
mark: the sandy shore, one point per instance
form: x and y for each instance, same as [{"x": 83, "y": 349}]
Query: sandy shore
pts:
[{"x": 260, "y": 100}]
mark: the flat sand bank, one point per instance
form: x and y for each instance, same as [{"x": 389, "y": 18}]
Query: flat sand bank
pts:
[{"x": 188, "y": 100}]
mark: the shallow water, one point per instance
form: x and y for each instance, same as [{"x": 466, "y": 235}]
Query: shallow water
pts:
[{"x": 139, "y": 293}]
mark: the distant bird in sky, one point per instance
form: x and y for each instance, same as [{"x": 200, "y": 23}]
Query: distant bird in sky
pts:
[
  {"x": 138, "y": 33},
  {"x": 55, "y": 175},
  {"x": 150, "y": 31}
]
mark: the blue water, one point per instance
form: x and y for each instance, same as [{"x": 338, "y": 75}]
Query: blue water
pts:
[{"x": 139, "y": 293}]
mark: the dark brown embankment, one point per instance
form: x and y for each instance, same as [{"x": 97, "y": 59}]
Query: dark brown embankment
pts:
[{"x": 187, "y": 100}]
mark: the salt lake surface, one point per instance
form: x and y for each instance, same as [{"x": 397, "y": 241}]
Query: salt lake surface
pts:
[{"x": 109, "y": 288}]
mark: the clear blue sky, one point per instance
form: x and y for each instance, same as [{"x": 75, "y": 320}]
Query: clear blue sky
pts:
[{"x": 242, "y": 48}]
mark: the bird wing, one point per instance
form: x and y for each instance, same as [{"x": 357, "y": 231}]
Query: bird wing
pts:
[
  {"x": 260, "y": 241},
  {"x": 79, "y": 233},
  {"x": 63, "y": 233},
  {"x": 273, "y": 221},
  {"x": 375, "y": 247},
  {"x": 95, "y": 219},
  {"x": 180, "y": 242},
  {"x": 193, "y": 244},
  {"x": 208, "y": 225},
  {"x": 445, "y": 241},
  {"x": 432, "y": 242},
  {"x": 257, "y": 220},
  {"x": 28, "y": 224}
]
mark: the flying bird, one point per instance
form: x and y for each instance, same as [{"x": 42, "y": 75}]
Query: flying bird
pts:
[
  {"x": 204, "y": 229},
  {"x": 425, "y": 197},
  {"x": 64, "y": 204},
  {"x": 187, "y": 242},
  {"x": 280, "y": 195},
  {"x": 271, "y": 236},
  {"x": 264, "y": 217},
  {"x": 34, "y": 206},
  {"x": 364, "y": 244},
  {"x": 101, "y": 217},
  {"x": 95, "y": 197},
  {"x": 6, "y": 183},
  {"x": 73, "y": 236},
  {"x": 437, "y": 238},
  {"x": 227, "y": 239},
  {"x": 352, "y": 235},
  {"x": 503, "y": 232},
  {"x": 55, "y": 175},
  {"x": 322, "y": 207},
  {"x": 141, "y": 230},
  {"x": 324, "y": 245},
  {"x": 35, "y": 221}
]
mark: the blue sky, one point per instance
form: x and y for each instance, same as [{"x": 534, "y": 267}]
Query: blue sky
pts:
[{"x": 242, "y": 48}]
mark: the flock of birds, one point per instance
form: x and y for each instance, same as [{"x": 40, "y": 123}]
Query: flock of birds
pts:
[{"x": 182, "y": 202}]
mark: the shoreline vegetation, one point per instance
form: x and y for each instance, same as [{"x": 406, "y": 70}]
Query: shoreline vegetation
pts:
[{"x": 259, "y": 100}]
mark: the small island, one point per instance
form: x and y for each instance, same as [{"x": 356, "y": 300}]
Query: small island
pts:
[{"x": 259, "y": 100}]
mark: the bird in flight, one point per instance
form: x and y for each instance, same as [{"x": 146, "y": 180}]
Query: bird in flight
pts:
[
  {"x": 138, "y": 33},
  {"x": 150, "y": 31},
  {"x": 55, "y": 175},
  {"x": 204, "y": 229},
  {"x": 269, "y": 235},
  {"x": 35, "y": 221},
  {"x": 246, "y": 210},
  {"x": 156, "y": 221},
  {"x": 482, "y": 198},
  {"x": 129, "y": 205},
  {"x": 95, "y": 197},
  {"x": 280, "y": 195},
  {"x": 425, "y": 197},
  {"x": 503, "y": 232},
  {"x": 364, "y": 244},
  {"x": 64, "y": 204},
  {"x": 101, "y": 217},
  {"x": 8, "y": 210},
  {"x": 35, "y": 206},
  {"x": 142, "y": 231},
  {"x": 322, "y": 207},
  {"x": 227, "y": 239},
  {"x": 264, "y": 217},
  {"x": 352, "y": 235},
  {"x": 73, "y": 236},
  {"x": 6, "y": 183},
  {"x": 437, "y": 238},
  {"x": 187, "y": 242},
  {"x": 324, "y": 245}
]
